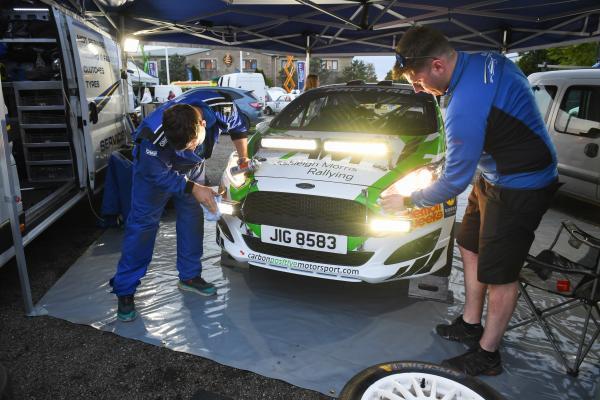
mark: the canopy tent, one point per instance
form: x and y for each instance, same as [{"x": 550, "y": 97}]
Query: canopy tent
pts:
[
  {"x": 360, "y": 27},
  {"x": 138, "y": 76}
]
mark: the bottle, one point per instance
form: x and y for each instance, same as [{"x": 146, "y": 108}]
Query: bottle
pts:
[{"x": 246, "y": 166}]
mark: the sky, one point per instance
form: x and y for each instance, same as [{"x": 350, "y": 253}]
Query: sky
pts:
[{"x": 382, "y": 64}]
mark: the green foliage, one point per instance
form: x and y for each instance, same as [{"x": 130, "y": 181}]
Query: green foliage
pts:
[
  {"x": 196, "y": 74},
  {"x": 359, "y": 70},
  {"x": 581, "y": 55},
  {"x": 530, "y": 60},
  {"x": 268, "y": 81},
  {"x": 390, "y": 77},
  {"x": 326, "y": 77},
  {"x": 177, "y": 71}
]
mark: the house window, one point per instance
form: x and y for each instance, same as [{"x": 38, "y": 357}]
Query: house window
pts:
[
  {"x": 250, "y": 64},
  {"x": 331, "y": 65},
  {"x": 163, "y": 65},
  {"x": 208, "y": 64}
]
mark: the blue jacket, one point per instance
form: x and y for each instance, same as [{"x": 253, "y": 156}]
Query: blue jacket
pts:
[
  {"x": 492, "y": 122},
  {"x": 157, "y": 162}
]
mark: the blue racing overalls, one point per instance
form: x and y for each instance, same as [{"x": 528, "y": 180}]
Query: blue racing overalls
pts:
[{"x": 161, "y": 173}]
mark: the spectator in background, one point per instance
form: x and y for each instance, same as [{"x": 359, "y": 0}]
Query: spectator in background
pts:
[
  {"x": 312, "y": 81},
  {"x": 171, "y": 95}
]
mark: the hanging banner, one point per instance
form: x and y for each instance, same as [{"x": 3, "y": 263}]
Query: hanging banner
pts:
[
  {"x": 153, "y": 68},
  {"x": 301, "y": 74}
]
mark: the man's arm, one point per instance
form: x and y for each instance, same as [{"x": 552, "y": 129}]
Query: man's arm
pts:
[{"x": 241, "y": 145}]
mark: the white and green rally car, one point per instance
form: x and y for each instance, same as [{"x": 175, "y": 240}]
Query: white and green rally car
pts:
[{"x": 312, "y": 208}]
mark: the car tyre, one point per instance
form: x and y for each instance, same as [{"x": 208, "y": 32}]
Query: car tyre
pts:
[
  {"x": 382, "y": 381},
  {"x": 268, "y": 111}
]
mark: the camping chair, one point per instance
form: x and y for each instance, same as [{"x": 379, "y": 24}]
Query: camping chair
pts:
[{"x": 573, "y": 275}]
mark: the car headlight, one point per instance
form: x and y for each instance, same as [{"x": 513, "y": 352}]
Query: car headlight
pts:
[
  {"x": 389, "y": 225},
  {"x": 236, "y": 180},
  {"x": 227, "y": 207},
  {"x": 416, "y": 180}
]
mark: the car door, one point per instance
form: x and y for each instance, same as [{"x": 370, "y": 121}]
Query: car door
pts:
[
  {"x": 576, "y": 134},
  {"x": 279, "y": 103}
]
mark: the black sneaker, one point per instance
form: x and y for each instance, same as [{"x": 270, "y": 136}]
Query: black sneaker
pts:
[
  {"x": 476, "y": 362},
  {"x": 198, "y": 286},
  {"x": 460, "y": 331},
  {"x": 126, "y": 309}
]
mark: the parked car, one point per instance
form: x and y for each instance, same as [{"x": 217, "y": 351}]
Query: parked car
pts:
[
  {"x": 569, "y": 102},
  {"x": 246, "y": 102},
  {"x": 254, "y": 82},
  {"x": 274, "y": 107},
  {"x": 312, "y": 206}
]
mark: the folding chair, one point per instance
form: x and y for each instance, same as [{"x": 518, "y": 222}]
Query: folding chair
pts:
[{"x": 577, "y": 283}]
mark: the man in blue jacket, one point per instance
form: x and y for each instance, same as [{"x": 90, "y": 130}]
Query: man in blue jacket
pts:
[
  {"x": 492, "y": 122},
  {"x": 171, "y": 146}
]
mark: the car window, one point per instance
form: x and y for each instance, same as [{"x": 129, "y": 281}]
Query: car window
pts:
[
  {"x": 544, "y": 94},
  {"x": 232, "y": 94},
  {"x": 579, "y": 112},
  {"x": 250, "y": 93},
  {"x": 281, "y": 98},
  {"x": 366, "y": 110}
]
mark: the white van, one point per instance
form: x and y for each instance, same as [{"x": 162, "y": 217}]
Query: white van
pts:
[
  {"x": 246, "y": 81},
  {"x": 569, "y": 101}
]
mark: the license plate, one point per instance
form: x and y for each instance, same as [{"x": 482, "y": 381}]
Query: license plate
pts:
[{"x": 304, "y": 239}]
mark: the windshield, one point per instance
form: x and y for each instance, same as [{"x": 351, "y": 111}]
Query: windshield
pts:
[{"x": 390, "y": 111}]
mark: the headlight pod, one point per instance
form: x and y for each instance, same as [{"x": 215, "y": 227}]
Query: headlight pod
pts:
[
  {"x": 389, "y": 225},
  {"x": 416, "y": 180},
  {"x": 236, "y": 180},
  {"x": 227, "y": 207}
]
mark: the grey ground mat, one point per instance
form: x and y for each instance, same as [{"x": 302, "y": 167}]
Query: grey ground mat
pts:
[{"x": 309, "y": 332}]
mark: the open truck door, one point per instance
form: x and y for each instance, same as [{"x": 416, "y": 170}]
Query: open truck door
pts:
[{"x": 103, "y": 102}]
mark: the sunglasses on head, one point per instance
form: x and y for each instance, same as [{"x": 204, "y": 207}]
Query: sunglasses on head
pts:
[{"x": 402, "y": 61}]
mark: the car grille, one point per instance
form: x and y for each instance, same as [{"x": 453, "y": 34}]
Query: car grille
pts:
[
  {"x": 304, "y": 212},
  {"x": 352, "y": 259}
]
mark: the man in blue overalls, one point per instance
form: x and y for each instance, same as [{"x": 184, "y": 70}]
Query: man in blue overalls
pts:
[{"x": 171, "y": 146}]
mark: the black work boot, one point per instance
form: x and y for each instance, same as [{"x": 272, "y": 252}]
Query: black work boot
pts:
[
  {"x": 476, "y": 362},
  {"x": 126, "y": 308},
  {"x": 460, "y": 331}
]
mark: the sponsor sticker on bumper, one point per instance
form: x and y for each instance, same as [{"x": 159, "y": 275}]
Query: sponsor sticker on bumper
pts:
[
  {"x": 424, "y": 216},
  {"x": 303, "y": 266}
]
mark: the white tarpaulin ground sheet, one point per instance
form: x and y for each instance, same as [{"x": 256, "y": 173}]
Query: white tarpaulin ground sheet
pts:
[{"x": 310, "y": 332}]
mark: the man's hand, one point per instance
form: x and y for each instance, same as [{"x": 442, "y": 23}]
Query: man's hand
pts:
[
  {"x": 206, "y": 196},
  {"x": 242, "y": 160},
  {"x": 393, "y": 203}
]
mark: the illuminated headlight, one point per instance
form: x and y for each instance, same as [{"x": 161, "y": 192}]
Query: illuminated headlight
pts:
[
  {"x": 236, "y": 180},
  {"x": 389, "y": 225},
  {"x": 289, "y": 144},
  {"x": 416, "y": 180},
  {"x": 228, "y": 207},
  {"x": 367, "y": 148}
]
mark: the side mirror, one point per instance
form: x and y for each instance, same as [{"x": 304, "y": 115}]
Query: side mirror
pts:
[{"x": 93, "y": 107}]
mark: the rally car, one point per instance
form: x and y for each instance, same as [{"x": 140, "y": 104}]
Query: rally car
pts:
[{"x": 313, "y": 205}]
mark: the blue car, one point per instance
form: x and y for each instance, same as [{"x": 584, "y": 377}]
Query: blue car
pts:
[{"x": 248, "y": 105}]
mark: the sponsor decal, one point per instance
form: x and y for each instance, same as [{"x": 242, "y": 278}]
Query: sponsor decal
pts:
[
  {"x": 450, "y": 207},
  {"x": 424, "y": 216},
  {"x": 152, "y": 153},
  {"x": 322, "y": 169},
  {"x": 304, "y": 266}
]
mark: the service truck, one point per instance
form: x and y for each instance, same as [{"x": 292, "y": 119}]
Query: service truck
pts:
[{"x": 63, "y": 105}]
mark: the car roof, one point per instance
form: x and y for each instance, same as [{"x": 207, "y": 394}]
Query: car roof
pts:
[
  {"x": 568, "y": 73},
  {"x": 402, "y": 88}
]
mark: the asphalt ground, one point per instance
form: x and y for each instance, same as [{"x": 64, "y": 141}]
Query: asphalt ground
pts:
[{"x": 49, "y": 358}]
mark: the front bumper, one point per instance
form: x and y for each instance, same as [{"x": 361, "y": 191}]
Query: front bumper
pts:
[{"x": 376, "y": 259}]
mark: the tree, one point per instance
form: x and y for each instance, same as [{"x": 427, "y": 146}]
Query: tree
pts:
[
  {"x": 196, "y": 74},
  {"x": 583, "y": 55},
  {"x": 268, "y": 81},
  {"x": 326, "y": 76},
  {"x": 390, "y": 77},
  {"x": 177, "y": 70},
  {"x": 530, "y": 60},
  {"x": 359, "y": 70}
]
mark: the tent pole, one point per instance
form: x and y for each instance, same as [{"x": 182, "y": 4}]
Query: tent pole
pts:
[
  {"x": 167, "y": 58},
  {"x": 241, "y": 61},
  {"x": 307, "y": 69},
  {"x": 11, "y": 199}
]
